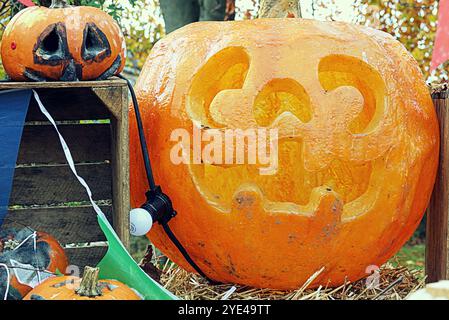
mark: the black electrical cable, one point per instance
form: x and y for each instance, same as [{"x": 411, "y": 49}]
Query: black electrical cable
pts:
[
  {"x": 153, "y": 188},
  {"x": 184, "y": 253},
  {"x": 143, "y": 142}
]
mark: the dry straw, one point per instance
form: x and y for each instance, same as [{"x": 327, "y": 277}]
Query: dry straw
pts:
[{"x": 395, "y": 283}]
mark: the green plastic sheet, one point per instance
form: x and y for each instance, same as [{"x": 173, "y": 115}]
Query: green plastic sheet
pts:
[{"x": 118, "y": 264}]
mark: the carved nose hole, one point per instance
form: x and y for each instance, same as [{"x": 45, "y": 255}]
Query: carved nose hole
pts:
[
  {"x": 95, "y": 44},
  {"x": 340, "y": 70},
  {"x": 51, "y": 47},
  {"x": 279, "y": 96}
]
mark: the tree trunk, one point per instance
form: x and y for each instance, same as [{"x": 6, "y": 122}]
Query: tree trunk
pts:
[
  {"x": 212, "y": 10},
  {"x": 178, "y": 13},
  {"x": 230, "y": 10}
]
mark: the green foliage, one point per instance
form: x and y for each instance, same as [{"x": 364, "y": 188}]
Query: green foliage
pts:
[
  {"x": 114, "y": 8},
  {"x": 143, "y": 27},
  {"x": 413, "y": 23}
]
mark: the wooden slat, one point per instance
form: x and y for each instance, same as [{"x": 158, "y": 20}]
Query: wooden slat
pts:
[
  {"x": 56, "y": 184},
  {"x": 113, "y": 82},
  {"x": 68, "y": 104},
  {"x": 120, "y": 167},
  {"x": 66, "y": 224},
  {"x": 82, "y": 257},
  {"x": 437, "y": 239},
  {"x": 87, "y": 143}
]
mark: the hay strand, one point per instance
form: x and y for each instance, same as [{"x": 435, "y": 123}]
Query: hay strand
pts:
[{"x": 395, "y": 283}]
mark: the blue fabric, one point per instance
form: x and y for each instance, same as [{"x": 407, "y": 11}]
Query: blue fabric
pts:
[{"x": 13, "y": 109}]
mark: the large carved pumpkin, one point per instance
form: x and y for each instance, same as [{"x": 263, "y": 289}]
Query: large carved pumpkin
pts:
[
  {"x": 62, "y": 43},
  {"x": 357, "y": 145}
]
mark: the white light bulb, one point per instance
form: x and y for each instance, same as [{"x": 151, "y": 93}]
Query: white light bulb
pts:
[{"x": 140, "y": 222}]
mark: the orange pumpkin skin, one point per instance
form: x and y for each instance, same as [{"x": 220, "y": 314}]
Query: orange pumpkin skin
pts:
[
  {"x": 63, "y": 288},
  {"x": 24, "y": 37},
  {"x": 358, "y": 148}
]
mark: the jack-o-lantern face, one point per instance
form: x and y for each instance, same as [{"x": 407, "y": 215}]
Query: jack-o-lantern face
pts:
[
  {"x": 357, "y": 148},
  {"x": 67, "y": 44}
]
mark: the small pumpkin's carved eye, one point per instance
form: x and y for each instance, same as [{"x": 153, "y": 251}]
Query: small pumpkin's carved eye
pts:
[
  {"x": 95, "y": 46},
  {"x": 51, "y": 47}
]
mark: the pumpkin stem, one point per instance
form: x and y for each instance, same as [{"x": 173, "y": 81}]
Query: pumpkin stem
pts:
[
  {"x": 280, "y": 9},
  {"x": 59, "y": 4},
  {"x": 89, "y": 286}
]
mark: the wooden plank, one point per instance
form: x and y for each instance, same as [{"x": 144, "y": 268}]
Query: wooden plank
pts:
[
  {"x": 112, "y": 99},
  {"x": 113, "y": 82},
  {"x": 66, "y": 224},
  {"x": 43, "y": 185},
  {"x": 87, "y": 143},
  {"x": 68, "y": 104},
  {"x": 89, "y": 256},
  {"x": 120, "y": 167},
  {"x": 437, "y": 216}
]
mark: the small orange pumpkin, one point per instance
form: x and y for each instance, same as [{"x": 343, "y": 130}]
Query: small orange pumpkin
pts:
[
  {"x": 86, "y": 288},
  {"x": 62, "y": 43},
  {"x": 357, "y": 148},
  {"x": 48, "y": 256}
]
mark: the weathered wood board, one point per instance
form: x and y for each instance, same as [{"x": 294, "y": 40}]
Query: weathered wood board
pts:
[
  {"x": 93, "y": 145},
  {"x": 67, "y": 224},
  {"x": 54, "y": 184}
]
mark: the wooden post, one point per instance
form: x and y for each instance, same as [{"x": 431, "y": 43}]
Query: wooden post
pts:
[
  {"x": 437, "y": 238},
  {"x": 117, "y": 102}
]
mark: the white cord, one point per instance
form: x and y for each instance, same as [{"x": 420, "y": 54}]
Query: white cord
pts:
[
  {"x": 8, "y": 275},
  {"x": 26, "y": 239}
]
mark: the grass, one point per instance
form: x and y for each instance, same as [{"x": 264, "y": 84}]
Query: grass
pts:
[
  {"x": 411, "y": 256},
  {"x": 138, "y": 247}
]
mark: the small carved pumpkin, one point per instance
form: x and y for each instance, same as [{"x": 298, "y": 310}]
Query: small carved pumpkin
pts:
[
  {"x": 86, "y": 288},
  {"x": 62, "y": 43},
  {"x": 17, "y": 252},
  {"x": 357, "y": 148}
]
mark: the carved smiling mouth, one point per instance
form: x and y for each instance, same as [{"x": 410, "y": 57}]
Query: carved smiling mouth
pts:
[
  {"x": 297, "y": 187},
  {"x": 305, "y": 172}
]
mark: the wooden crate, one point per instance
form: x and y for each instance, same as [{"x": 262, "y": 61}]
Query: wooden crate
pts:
[{"x": 45, "y": 195}]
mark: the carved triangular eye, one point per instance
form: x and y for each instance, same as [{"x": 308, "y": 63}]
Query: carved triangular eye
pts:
[
  {"x": 95, "y": 46},
  {"x": 51, "y": 47}
]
